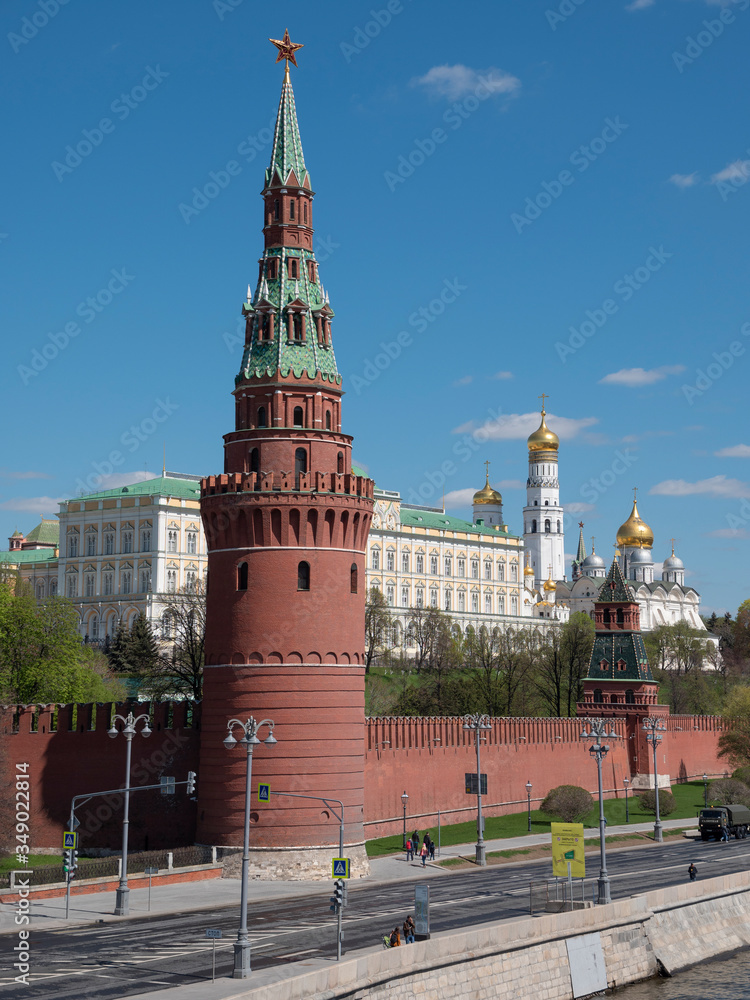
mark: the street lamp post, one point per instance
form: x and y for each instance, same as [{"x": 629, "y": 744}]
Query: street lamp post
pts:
[
  {"x": 653, "y": 728},
  {"x": 528, "y": 797},
  {"x": 626, "y": 782},
  {"x": 250, "y": 740},
  {"x": 404, "y": 800},
  {"x": 478, "y": 724},
  {"x": 129, "y": 730},
  {"x": 596, "y": 731},
  {"x": 705, "y": 790}
]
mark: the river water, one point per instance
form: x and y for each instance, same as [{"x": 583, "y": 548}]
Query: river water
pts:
[{"x": 728, "y": 979}]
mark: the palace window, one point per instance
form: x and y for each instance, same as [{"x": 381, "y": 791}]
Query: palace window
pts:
[
  {"x": 404, "y": 597},
  {"x": 107, "y": 584},
  {"x": 192, "y": 541},
  {"x": 462, "y": 567},
  {"x": 171, "y": 541},
  {"x": 390, "y": 595},
  {"x": 488, "y": 604},
  {"x": 390, "y": 560},
  {"x": 405, "y": 562},
  {"x": 461, "y": 601},
  {"x": 475, "y": 602},
  {"x": 126, "y": 582},
  {"x": 145, "y": 581},
  {"x": 88, "y": 585},
  {"x": 420, "y": 597},
  {"x": 420, "y": 563},
  {"x": 109, "y": 543},
  {"x": 433, "y": 598},
  {"x": 146, "y": 540},
  {"x": 514, "y": 605},
  {"x": 433, "y": 565},
  {"x": 488, "y": 570},
  {"x": 375, "y": 559},
  {"x": 190, "y": 581},
  {"x": 475, "y": 569},
  {"x": 171, "y": 581},
  {"x": 514, "y": 572},
  {"x": 501, "y": 571},
  {"x": 501, "y": 605},
  {"x": 72, "y": 586},
  {"x": 72, "y": 546},
  {"x": 447, "y": 600},
  {"x": 91, "y": 544},
  {"x": 448, "y": 565},
  {"x": 166, "y": 625}
]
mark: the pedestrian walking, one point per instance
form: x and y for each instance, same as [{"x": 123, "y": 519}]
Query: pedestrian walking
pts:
[
  {"x": 409, "y": 850},
  {"x": 415, "y": 841},
  {"x": 432, "y": 850},
  {"x": 425, "y": 853},
  {"x": 692, "y": 872},
  {"x": 725, "y": 834},
  {"x": 408, "y": 930}
]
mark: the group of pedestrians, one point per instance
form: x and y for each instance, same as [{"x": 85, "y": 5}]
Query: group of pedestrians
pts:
[
  {"x": 394, "y": 939},
  {"x": 426, "y": 851}
]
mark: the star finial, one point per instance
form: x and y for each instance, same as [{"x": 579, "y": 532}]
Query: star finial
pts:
[
  {"x": 286, "y": 48},
  {"x": 580, "y": 524}
]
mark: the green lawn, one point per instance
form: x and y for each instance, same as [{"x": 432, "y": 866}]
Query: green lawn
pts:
[
  {"x": 35, "y": 861},
  {"x": 689, "y": 799}
]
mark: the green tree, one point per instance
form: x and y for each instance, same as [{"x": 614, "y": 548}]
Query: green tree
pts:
[
  {"x": 577, "y": 642},
  {"x": 734, "y": 742},
  {"x": 677, "y": 654},
  {"x": 378, "y": 625}
]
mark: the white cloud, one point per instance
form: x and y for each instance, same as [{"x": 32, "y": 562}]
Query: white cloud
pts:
[
  {"x": 510, "y": 484},
  {"x": 634, "y": 377},
  {"x": 11, "y": 474},
  {"x": 579, "y": 507},
  {"x": 737, "y": 171},
  {"x": 500, "y": 376},
  {"x": 465, "y": 380},
  {"x": 97, "y": 484},
  {"x": 735, "y": 451},
  {"x": 457, "y": 81},
  {"x": 729, "y": 533},
  {"x": 515, "y": 426},
  {"x": 716, "y": 486},
  {"x": 33, "y": 505},
  {"x": 684, "y": 180}
]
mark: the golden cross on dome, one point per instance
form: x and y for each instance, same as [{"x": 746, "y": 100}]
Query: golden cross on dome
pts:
[
  {"x": 635, "y": 493},
  {"x": 592, "y": 542},
  {"x": 672, "y": 541},
  {"x": 543, "y": 397},
  {"x": 487, "y": 467},
  {"x": 286, "y": 48}
]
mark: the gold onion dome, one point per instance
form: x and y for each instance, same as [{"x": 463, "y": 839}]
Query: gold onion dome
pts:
[
  {"x": 528, "y": 571},
  {"x": 635, "y": 532},
  {"x": 487, "y": 494},
  {"x": 543, "y": 439},
  {"x": 549, "y": 584}
]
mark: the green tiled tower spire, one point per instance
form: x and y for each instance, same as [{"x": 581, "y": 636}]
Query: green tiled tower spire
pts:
[
  {"x": 619, "y": 653},
  {"x": 288, "y": 315}
]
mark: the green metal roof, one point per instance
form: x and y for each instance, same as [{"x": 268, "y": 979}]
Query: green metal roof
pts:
[
  {"x": 615, "y": 590},
  {"x": 47, "y": 532},
  {"x": 287, "y": 154},
  {"x": 165, "y": 486},
  {"x": 611, "y": 648},
  {"x": 26, "y": 556},
  {"x": 444, "y": 522}
]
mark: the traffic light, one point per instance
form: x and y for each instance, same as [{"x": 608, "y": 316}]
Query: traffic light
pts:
[
  {"x": 70, "y": 863},
  {"x": 191, "y": 782},
  {"x": 337, "y": 899},
  {"x": 67, "y": 860}
]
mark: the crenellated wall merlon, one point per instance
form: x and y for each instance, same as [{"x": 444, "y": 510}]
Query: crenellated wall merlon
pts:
[{"x": 345, "y": 484}]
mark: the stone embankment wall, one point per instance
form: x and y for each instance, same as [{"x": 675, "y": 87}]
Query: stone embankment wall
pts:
[{"x": 674, "y": 928}]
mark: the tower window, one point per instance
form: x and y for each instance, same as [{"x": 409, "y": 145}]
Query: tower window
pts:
[
  {"x": 533, "y": 527},
  {"x": 300, "y": 462},
  {"x": 598, "y": 697},
  {"x": 340, "y": 463},
  {"x": 298, "y": 418},
  {"x": 297, "y": 324},
  {"x": 254, "y": 460},
  {"x": 620, "y": 617},
  {"x": 328, "y": 420},
  {"x": 304, "y": 213},
  {"x": 291, "y": 209},
  {"x": 242, "y": 576},
  {"x": 276, "y": 209},
  {"x": 353, "y": 578},
  {"x": 293, "y": 273},
  {"x": 547, "y": 527},
  {"x": 262, "y": 416},
  {"x": 303, "y": 576}
]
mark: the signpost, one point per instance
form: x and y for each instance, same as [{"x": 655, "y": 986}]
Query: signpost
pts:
[
  {"x": 471, "y": 783},
  {"x": 568, "y": 857},
  {"x": 213, "y": 933},
  {"x": 264, "y": 792},
  {"x": 150, "y": 872},
  {"x": 70, "y": 845},
  {"x": 340, "y": 868},
  {"x": 421, "y": 911}
]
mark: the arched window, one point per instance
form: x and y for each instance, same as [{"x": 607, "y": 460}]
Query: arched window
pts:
[
  {"x": 300, "y": 461},
  {"x": 547, "y": 526},
  {"x": 533, "y": 527},
  {"x": 262, "y": 416},
  {"x": 328, "y": 420},
  {"x": 254, "y": 460},
  {"x": 558, "y": 527},
  {"x": 297, "y": 325},
  {"x": 340, "y": 463},
  {"x": 353, "y": 578},
  {"x": 304, "y": 211},
  {"x": 303, "y": 576},
  {"x": 291, "y": 209},
  {"x": 598, "y": 697},
  {"x": 242, "y": 576},
  {"x": 298, "y": 418},
  {"x": 276, "y": 209}
]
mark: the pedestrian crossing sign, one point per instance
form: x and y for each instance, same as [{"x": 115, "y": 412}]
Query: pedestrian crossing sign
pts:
[
  {"x": 264, "y": 793},
  {"x": 70, "y": 840},
  {"x": 340, "y": 868}
]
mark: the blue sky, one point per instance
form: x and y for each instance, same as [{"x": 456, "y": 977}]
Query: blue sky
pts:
[{"x": 531, "y": 197}]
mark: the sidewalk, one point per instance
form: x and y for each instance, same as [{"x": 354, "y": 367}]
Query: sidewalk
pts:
[{"x": 184, "y": 897}]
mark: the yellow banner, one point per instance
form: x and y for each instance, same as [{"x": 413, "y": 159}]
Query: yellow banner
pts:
[{"x": 567, "y": 848}]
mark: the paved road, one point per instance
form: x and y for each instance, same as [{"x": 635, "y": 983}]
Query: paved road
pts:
[{"x": 123, "y": 959}]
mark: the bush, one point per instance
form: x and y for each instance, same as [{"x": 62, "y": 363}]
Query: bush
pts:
[
  {"x": 724, "y": 791},
  {"x": 667, "y": 802},
  {"x": 742, "y": 774},
  {"x": 568, "y": 803}
]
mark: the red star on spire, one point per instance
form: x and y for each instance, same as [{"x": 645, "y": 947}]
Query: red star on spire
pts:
[{"x": 286, "y": 48}]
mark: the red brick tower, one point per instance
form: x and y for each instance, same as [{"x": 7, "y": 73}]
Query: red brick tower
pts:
[
  {"x": 286, "y": 527},
  {"x": 619, "y": 683}
]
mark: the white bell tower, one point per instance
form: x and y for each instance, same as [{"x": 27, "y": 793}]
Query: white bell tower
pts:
[{"x": 543, "y": 535}]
